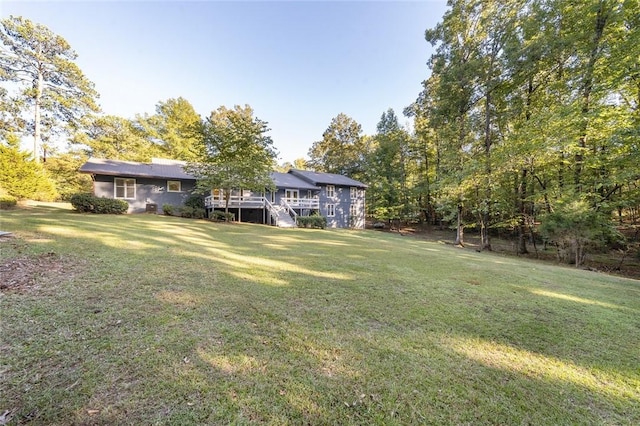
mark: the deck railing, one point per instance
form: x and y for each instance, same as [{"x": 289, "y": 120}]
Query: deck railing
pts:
[{"x": 258, "y": 202}]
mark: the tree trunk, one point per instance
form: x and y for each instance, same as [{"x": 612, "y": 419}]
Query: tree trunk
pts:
[
  {"x": 485, "y": 244},
  {"x": 586, "y": 89},
  {"x": 459, "y": 228},
  {"x": 36, "y": 130},
  {"x": 522, "y": 195}
]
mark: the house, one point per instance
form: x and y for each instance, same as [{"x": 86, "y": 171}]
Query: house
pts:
[{"x": 147, "y": 186}]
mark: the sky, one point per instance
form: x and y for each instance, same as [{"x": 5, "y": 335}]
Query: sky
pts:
[{"x": 298, "y": 64}]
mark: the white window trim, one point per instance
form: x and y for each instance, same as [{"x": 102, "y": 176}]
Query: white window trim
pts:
[
  {"x": 333, "y": 191},
  {"x": 331, "y": 210},
  {"x": 176, "y": 181},
  {"x": 353, "y": 192},
  {"x": 353, "y": 210},
  {"x": 124, "y": 184}
]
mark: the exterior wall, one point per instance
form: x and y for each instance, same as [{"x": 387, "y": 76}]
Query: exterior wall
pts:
[
  {"x": 342, "y": 202},
  {"x": 148, "y": 190}
]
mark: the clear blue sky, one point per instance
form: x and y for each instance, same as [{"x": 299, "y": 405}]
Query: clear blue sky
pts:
[{"x": 297, "y": 63}]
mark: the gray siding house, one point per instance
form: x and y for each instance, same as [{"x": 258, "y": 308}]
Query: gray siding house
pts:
[{"x": 147, "y": 186}]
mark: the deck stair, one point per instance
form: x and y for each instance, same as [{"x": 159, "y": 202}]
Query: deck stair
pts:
[{"x": 281, "y": 215}]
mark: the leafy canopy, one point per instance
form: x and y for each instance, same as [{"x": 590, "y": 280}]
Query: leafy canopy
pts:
[
  {"x": 236, "y": 152},
  {"x": 47, "y": 82}
]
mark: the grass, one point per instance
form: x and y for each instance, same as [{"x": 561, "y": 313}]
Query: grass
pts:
[{"x": 162, "y": 320}]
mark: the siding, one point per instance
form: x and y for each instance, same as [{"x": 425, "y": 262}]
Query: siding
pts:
[
  {"x": 342, "y": 205},
  {"x": 148, "y": 190}
]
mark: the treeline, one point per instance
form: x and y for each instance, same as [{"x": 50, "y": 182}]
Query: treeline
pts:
[{"x": 530, "y": 114}]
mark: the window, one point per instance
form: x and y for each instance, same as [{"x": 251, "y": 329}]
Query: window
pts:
[
  {"x": 174, "y": 186},
  {"x": 291, "y": 195},
  {"x": 353, "y": 210},
  {"x": 331, "y": 210},
  {"x": 125, "y": 188},
  {"x": 353, "y": 192},
  {"x": 331, "y": 191}
]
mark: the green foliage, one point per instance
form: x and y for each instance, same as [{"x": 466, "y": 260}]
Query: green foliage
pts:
[
  {"x": 220, "y": 216},
  {"x": 21, "y": 176},
  {"x": 7, "y": 202},
  {"x": 184, "y": 211},
  {"x": 176, "y": 128},
  {"x": 195, "y": 201},
  {"x": 52, "y": 89},
  {"x": 63, "y": 172},
  {"x": 88, "y": 203},
  {"x": 341, "y": 149},
  {"x": 313, "y": 221},
  {"x": 575, "y": 227},
  {"x": 237, "y": 153},
  {"x": 115, "y": 138}
]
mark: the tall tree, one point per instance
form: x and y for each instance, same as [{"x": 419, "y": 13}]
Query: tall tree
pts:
[
  {"x": 386, "y": 171},
  {"x": 341, "y": 149},
  {"x": 48, "y": 81},
  {"x": 115, "y": 138},
  {"x": 176, "y": 128},
  {"x": 237, "y": 153}
]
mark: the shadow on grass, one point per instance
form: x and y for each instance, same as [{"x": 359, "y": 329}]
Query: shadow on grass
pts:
[{"x": 218, "y": 326}]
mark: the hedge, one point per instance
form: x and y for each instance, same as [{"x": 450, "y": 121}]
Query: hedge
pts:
[
  {"x": 312, "y": 222},
  {"x": 87, "y": 203}
]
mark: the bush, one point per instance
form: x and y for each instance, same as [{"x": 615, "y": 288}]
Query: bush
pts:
[
  {"x": 7, "y": 202},
  {"x": 183, "y": 211},
  {"x": 219, "y": 216},
  {"x": 169, "y": 209},
  {"x": 87, "y": 203},
  {"x": 195, "y": 201},
  {"x": 319, "y": 222},
  {"x": 82, "y": 202}
]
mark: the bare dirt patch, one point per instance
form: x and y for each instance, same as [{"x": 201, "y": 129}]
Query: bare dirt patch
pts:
[{"x": 25, "y": 274}]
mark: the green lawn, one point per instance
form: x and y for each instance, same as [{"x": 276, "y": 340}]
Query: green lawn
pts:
[{"x": 159, "y": 320}]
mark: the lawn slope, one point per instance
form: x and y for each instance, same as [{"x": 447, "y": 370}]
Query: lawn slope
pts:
[{"x": 147, "y": 319}]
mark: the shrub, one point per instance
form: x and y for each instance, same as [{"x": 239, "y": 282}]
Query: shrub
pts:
[
  {"x": 219, "y": 216},
  {"x": 82, "y": 202},
  {"x": 199, "y": 213},
  {"x": 319, "y": 222},
  {"x": 87, "y": 203},
  {"x": 169, "y": 209},
  {"x": 7, "y": 202},
  {"x": 195, "y": 201},
  {"x": 183, "y": 211}
]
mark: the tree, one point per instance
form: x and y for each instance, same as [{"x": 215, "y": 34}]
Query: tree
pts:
[
  {"x": 48, "y": 82},
  {"x": 341, "y": 149},
  {"x": 176, "y": 128},
  {"x": 116, "y": 138},
  {"x": 63, "y": 171},
  {"x": 237, "y": 153},
  {"x": 22, "y": 177},
  {"x": 386, "y": 170}
]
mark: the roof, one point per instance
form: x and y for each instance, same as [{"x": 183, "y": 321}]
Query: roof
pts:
[
  {"x": 173, "y": 169},
  {"x": 326, "y": 178},
  {"x": 164, "y": 169},
  {"x": 287, "y": 180}
]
